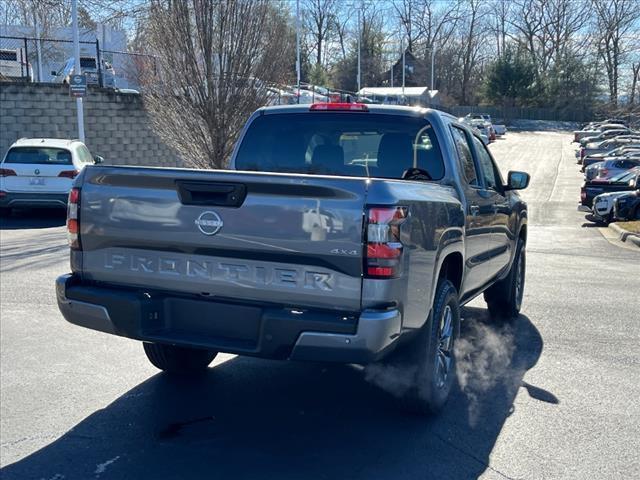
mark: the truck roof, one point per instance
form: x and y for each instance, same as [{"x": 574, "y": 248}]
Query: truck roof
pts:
[{"x": 416, "y": 111}]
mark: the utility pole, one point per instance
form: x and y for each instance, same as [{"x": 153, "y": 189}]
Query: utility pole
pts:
[
  {"x": 433, "y": 56},
  {"x": 359, "y": 41},
  {"x": 38, "y": 51},
  {"x": 298, "y": 47},
  {"x": 76, "y": 66},
  {"x": 403, "y": 66}
]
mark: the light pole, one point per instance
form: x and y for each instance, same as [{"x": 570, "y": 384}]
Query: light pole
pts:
[
  {"x": 433, "y": 56},
  {"x": 359, "y": 40},
  {"x": 76, "y": 67},
  {"x": 298, "y": 47},
  {"x": 403, "y": 66}
]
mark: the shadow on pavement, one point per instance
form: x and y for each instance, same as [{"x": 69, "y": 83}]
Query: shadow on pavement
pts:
[
  {"x": 249, "y": 418},
  {"x": 33, "y": 218}
]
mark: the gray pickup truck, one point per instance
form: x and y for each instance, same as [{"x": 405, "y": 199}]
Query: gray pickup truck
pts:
[{"x": 341, "y": 232}]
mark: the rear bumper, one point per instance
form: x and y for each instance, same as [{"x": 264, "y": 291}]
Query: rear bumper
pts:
[
  {"x": 244, "y": 329},
  {"x": 43, "y": 200},
  {"x": 584, "y": 208}
]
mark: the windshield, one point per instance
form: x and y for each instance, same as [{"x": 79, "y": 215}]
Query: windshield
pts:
[
  {"x": 624, "y": 177},
  {"x": 351, "y": 144},
  {"x": 39, "y": 155}
]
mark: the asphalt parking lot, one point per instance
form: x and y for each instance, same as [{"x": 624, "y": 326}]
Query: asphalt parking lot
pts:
[{"x": 553, "y": 396}]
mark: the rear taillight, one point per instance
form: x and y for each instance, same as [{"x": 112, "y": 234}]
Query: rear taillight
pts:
[
  {"x": 69, "y": 173},
  {"x": 583, "y": 194},
  {"x": 73, "y": 219},
  {"x": 582, "y": 152},
  {"x": 384, "y": 249},
  {"x": 603, "y": 172},
  {"x": 7, "y": 172}
]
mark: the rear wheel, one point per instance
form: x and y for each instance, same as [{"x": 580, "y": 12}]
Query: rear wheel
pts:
[
  {"x": 179, "y": 360},
  {"x": 504, "y": 298},
  {"x": 431, "y": 356}
]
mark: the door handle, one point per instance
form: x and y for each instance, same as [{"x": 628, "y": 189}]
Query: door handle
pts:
[
  {"x": 498, "y": 205},
  {"x": 474, "y": 209}
]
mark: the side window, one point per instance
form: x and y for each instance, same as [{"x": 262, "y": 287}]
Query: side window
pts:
[
  {"x": 486, "y": 165},
  {"x": 84, "y": 155},
  {"x": 465, "y": 156}
]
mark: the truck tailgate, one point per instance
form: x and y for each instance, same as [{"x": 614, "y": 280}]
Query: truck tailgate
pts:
[{"x": 294, "y": 240}]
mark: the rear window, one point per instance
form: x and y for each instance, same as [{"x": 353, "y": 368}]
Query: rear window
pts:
[
  {"x": 87, "y": 62},
  {"x": 351, "y": 144},
  {"x": 39, "y": 155}
]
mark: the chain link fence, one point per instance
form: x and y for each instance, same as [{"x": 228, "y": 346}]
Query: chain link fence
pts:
[{"x": 51, "y": 61}]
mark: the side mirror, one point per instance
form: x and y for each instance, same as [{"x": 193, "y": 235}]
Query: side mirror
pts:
[
  {"x": 97, "y": 159},
  {"x": 517, "y": 180}
]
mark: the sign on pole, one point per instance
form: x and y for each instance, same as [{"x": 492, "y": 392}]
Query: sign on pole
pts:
[{"x": 78, "y": 86}]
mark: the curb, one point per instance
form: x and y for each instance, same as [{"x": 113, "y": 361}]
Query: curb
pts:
[{"x": 624, "y": 235}]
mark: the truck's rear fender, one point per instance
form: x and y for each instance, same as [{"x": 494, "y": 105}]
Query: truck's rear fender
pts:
[{"x": 435, "y": 222}]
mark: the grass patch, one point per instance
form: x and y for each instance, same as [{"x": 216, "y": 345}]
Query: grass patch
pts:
[{"x": 633, "y": 227}]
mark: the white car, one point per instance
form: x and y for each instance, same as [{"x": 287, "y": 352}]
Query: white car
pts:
[
  {"x": 603, "y": 206},
  {"x": 39, "y": 172}
]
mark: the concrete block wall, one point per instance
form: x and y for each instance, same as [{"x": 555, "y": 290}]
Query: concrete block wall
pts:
[{"x": 116, "y": 125}]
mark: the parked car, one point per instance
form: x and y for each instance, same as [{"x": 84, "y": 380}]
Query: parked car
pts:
[
  {"x": 244, "y": 268},
  {"x": 603, "y": 206},
  {"x": 39, "y": 172},
  {"x": 605, "y": 147},
  {"x": 594, "y": 130},
  {"x": 89, "y": 68},
  {"x": 500, "y": 129},
  {"x": 624, "y": 182},
  {"x": 276, "y": 96},
  {"x": 626, "y": 152},
  {"x": 614, "y": 132},
  {"x": 611, "y": 168},
  {"x": 14, "y": 65},
  {"x": 308, "y": 96},
  {"x": 627, "y": 207}
]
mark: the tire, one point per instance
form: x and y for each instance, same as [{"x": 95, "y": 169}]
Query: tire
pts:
[
  {"x": 178, "y": 360},
  {"x": 430, "y": 357},
  {"x": 636, "y": 214},
  {"x": 504, "y": 298}
]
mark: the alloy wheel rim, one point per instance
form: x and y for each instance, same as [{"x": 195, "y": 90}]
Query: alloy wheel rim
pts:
[{"x": 444, "y": 347}]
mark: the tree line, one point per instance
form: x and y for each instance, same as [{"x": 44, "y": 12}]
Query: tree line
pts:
[{"x": 215, "y": 59}]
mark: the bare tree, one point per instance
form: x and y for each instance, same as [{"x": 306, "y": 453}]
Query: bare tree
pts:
[
  {"x": 319, "y": 16},
  {"x": 340, "y": 24},
  {"x": 407, "y": 10},
  {"x": 501, "y": 12},
  {"x": 614, "y": 19},
  {"x": 473, "y": 28},
  {"x": 436, "y": 22},
  {"x": 215, "y": 60}
]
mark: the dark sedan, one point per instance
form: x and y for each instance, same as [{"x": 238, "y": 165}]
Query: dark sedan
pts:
[{"x": 627, "y": 207}]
